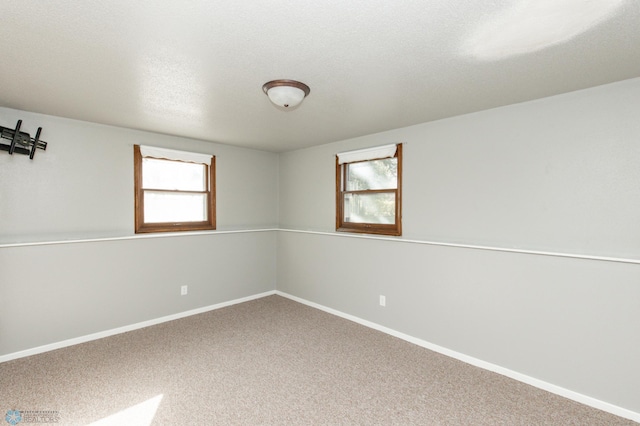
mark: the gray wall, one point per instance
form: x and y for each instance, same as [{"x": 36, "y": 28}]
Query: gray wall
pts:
[
  {"x": 51, "y": 293},
  {"x": 81, "y": 187},
  {"x": 558, "y": 174}
]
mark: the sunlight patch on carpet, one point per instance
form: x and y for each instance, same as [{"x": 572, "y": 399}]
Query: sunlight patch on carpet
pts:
[{"x": 137, "y": 415}]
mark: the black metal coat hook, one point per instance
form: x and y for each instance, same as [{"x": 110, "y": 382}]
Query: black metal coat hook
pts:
[{"x": 21, "y": 142}]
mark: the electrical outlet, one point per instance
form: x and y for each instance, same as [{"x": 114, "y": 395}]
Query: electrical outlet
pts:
[
  {"x": 383, "y": 300},
  {"x": 183, "y": 290}
]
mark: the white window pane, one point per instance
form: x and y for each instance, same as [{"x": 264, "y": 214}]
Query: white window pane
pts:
[
  {"x": 370, "y": 208},
  {"x": 376, "y": 174},
  {"x": 165, "y": 174},
  {"x": 171, "y": 207}
]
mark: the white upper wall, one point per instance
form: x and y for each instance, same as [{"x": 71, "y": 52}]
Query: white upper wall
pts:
[
  {"x": 82, "y": 185},
  {"x": 557, "y": 174}
]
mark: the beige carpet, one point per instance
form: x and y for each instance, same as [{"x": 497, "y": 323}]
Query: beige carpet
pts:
[{"x": 271, "y": 361}]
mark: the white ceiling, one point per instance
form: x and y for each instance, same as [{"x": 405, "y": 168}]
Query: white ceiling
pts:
[{"x": 196, "y": 68}]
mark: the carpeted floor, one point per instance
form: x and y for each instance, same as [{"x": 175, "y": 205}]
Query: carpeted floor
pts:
[{"x": 276, "y": 362}]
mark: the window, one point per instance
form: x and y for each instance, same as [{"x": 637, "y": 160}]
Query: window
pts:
[
  {"x": 368, "y": 190},
  {"x": 174, "y": 190}
]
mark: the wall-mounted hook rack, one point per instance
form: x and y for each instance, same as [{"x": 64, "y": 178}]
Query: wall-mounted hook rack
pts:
[{"x": 21, "y": 142}]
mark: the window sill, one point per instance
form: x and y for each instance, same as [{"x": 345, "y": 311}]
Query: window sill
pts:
[{"x": 374, "y": 230}]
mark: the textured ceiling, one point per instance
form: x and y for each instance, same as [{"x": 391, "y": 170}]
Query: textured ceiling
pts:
[{"x": 196, "y": 68}]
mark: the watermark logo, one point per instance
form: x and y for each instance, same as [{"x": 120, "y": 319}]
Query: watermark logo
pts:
[{"x": 13, "y": 417}]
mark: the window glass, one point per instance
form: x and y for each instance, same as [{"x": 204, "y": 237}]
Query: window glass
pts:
[
  {"x": 173, "y": 194},
  {"x": 376, "y": 174},
  {"x": 368, "y": 191},
  {"x": 370, "y": 208},
  {"x": 174, "y": 207},
  {"x": 169, "y": 174}
]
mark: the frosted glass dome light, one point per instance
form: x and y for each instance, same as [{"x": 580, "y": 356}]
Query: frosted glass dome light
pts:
[{"x": 286, "y": 94}]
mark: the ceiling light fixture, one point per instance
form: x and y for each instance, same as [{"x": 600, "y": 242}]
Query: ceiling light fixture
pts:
[{"x": 286, "y": 93}]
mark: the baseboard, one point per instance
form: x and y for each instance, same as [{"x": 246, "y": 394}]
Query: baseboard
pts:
[
  {"x": 131, "y": 327},
  {"x": 549, "y": 387}
]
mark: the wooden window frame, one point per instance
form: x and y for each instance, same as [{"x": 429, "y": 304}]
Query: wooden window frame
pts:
[
  {"x": 368, "y": 228},
  {"x": 142, "y": 227}
]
